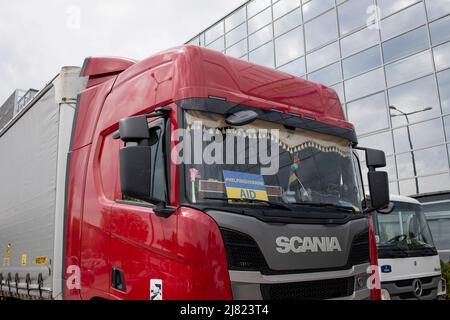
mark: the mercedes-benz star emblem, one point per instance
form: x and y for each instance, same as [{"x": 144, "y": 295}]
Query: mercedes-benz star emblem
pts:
[{"x": 417, "y": 287}]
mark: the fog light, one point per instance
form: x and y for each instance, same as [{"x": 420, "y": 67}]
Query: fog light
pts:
[
  {"x": 385, "y": 295},
  {"x": 442, "y": 288}
]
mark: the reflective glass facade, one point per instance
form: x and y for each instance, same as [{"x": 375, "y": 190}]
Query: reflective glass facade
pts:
[
  {"x": 401, "y": 59},
  {"x": 389, "y": 61}
]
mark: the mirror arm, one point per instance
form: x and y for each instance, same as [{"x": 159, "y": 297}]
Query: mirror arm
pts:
[{"x": 163, "y": 211}]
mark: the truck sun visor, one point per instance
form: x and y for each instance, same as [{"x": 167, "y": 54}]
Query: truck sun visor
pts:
[{"x": 226, "y": 108}]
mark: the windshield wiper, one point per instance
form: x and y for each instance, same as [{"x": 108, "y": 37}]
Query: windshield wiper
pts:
[
  {"x": 325, "y": 205},
  {"x": 269, "y": 203}
]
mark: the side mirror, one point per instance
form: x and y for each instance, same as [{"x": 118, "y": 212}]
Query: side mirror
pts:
[
  {"x": 375, "y": 158},
  {"x": 135, "y": 158},
  {"x": 135, "y": 171},
  {"x": 378, "y": 180},
  {"x": 133, "y": 129},
  {"x": 379, "y": 189}
]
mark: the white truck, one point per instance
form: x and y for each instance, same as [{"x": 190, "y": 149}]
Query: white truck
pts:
[{"x": 409, "y": 262}]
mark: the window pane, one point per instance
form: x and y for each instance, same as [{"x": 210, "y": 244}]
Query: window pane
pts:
[
  {"x": 422, "y": 135},
  {"x": 321, "y": 30},
  {"x": 353, "y": 14},
  {"x": 289, "y": 46},
  {"x": 195, "y": 41},
  {"x": 214, "y": 32},
  {"x": 437, "y": 8},
  {"x": 442, "y": 56},
  {"x": 363, "y": 112},
  {"x": 328, "y": 75},
  {"x": 296, "y": 68},
  {"x": 414, "y": 96},
  {"x": 260, "y": 20},
  {"x": 434, "y": 183},
  {"x": 256, "y": 6},
  {"x": 408, "y": 43},
  {"x": 393, "y": 188},
  {"x": 284, "y": 6},
  {"x": 447, "y": 128},
  {"x": 390, "y": 6},
  {"x": 365, "y": 84},
  {"x": 410, "y": 68},
  {"x": 238, "y": 49},
  {"x": 288, "y": 22},
  {"x": 444, "y": 90},
  {"x": 426, "y": 184},
  {"x": 381, "y": 141},
  {"x": 362, "y": 61},
  {"x": 315, "y": 7},
  {"x": 428, "y": 161},
  {"x": 260, "y": 37},
  {"x": 219, "y": 44},
  {"x": 440, "y": 30},
  {"x": 263, "y": 55},
  {"x": 323, "y": 57},
  {"x": 235, "y": 19},
  {"x": 359, "y": 41},
  {"x": 339, "y": 88},
  {"x": 236, "y": 34},
  {"x": 403, "y": 21}
]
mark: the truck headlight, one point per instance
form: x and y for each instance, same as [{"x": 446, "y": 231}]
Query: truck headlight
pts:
[{"x": 385, "y": 295}]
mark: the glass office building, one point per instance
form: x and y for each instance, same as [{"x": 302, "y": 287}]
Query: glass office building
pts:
[{"x": 389, "y": 61}]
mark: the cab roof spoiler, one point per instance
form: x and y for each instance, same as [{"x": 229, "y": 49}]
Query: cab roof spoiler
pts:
[
  {"x": 99, "y": 70},
  {"x": 98, "y": 66}
]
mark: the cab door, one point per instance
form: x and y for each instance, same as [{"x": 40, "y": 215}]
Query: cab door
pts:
[{"x": 143, "y": 248}]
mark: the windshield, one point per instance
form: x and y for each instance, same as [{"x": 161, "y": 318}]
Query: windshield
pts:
[
  {"x": 267, "y": 163},
  {"x": 405, "y": 229}
]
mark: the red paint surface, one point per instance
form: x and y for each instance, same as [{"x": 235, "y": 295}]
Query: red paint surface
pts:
[{"x": 185, "y": 250}]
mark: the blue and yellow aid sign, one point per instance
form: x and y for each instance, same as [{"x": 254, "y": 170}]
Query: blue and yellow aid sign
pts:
[{"x": 245, "y": 186}]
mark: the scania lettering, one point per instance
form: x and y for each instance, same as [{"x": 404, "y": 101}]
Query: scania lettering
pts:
[
  {"x": 173, "y": 177},
  {"x": 312, "y": 244}
]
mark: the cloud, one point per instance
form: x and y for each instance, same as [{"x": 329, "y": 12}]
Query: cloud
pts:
[{"x": 38, "y": 37}]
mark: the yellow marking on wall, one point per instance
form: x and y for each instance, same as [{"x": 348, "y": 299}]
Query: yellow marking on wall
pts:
[
  {"x": 41, "y": 261},
  {"x": 8, "y": 251}
]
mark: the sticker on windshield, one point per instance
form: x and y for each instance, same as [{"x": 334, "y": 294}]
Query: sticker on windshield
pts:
[{"x": 245, "y": 186}]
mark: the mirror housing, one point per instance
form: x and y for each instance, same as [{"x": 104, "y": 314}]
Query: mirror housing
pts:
[
  {"x": 135, "y": 171},
  {"x": 135, "y": 156},
  {"x": 378, "y": 180},
  {"x": 375, "y": 158}
]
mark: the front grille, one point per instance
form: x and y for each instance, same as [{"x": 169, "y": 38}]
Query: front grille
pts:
[
  {"x": 410, "y": 295},
  {"x": 242, "y": 252},
  {"x": 360, "y": 251},
  {"x": 409, "y": 282},
  {"x": 311, "y": 290}
]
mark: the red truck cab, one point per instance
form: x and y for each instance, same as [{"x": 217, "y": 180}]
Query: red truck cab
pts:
[{"x": 178, "y": 246}]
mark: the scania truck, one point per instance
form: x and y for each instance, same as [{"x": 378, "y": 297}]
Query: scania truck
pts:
[
  {"x": 409, "y": 262},
  {"x": 187, "y": 175}
]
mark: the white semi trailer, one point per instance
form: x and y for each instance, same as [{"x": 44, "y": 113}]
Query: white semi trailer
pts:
[{"x": 33, "y": 159}]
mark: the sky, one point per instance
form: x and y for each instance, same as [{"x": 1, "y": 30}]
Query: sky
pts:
[{"x": 37, "y": 38}]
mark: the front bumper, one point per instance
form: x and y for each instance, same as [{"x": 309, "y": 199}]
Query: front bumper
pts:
[{"x": 348, "y": 284}]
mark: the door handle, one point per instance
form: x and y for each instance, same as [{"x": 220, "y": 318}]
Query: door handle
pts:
[{"x": 117, "y": 279}]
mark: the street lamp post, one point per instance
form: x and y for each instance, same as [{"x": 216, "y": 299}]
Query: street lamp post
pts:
[{"x": 406, "y": 115}]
